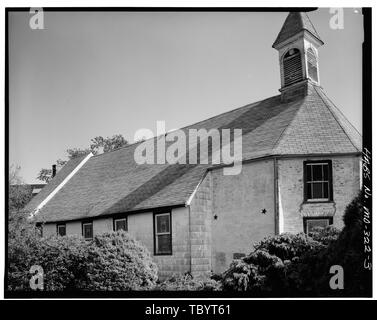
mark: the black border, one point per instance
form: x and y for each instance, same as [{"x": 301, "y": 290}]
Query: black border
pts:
[
  {"x": 167, "y": 9},
  {"x": 367, "y": 127},
  {"x": 367, "y": 143}
]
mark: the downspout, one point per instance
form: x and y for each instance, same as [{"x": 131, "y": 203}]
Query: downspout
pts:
[{"x": 276, "y": 195}]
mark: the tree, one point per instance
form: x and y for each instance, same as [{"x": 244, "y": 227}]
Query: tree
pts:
[
  {"x": 19, "y": 193},
  {"x": 97, "y": 145},
  {"x": 108, "y": 144}
]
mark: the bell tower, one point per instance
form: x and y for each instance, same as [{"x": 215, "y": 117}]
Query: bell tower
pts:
[{"x": 297, "y": 44}]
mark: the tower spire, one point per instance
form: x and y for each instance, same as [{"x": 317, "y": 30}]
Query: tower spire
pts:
[{"x": 297, "y": 44}]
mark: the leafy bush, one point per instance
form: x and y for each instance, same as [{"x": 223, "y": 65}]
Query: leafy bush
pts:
[
  {"x": 118, "y": 262},
  {"x": 348, "y": 252},
  {"x": 23, "y": 243},
  {"x": 112, "y": 261},
  {"x": 187, "y": 283},
  {"x": 266, "y": 270}
]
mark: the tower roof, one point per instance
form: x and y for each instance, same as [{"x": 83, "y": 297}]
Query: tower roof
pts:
[{"x": 293, "y": 24}]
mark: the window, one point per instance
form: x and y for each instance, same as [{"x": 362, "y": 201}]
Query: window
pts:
[
  {"x": 292, "y": 67},
  {"x": 311, "y": 223},
  {"x": 120, "y": 224},
  {"x": 39, "y": 227},
  {"x": 162, "y": 234},
  {"x": 317, "y": 181},
  {"x": 87, "y": 230},
  {"x": 312, "y": 65},
  {"x": 60, "y": 229}
]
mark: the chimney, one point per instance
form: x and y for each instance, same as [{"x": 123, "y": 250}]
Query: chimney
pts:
[{"x": 53, "y": 170}]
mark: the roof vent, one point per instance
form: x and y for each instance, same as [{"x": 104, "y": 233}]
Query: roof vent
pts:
[
  {"x": 312, "y": 65},
  {"x": 292, "y": 67}
]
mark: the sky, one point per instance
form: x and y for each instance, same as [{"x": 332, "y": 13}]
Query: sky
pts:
[{"x": 89, "y": 74}]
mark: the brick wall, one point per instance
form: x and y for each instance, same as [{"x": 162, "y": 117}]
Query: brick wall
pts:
[{"x": 292, "y": 210}]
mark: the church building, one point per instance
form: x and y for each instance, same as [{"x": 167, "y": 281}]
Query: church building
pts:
[{"x": 300, "y": 169}]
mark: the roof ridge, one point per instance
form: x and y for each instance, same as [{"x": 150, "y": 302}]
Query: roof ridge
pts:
[
  {"x": 336, "y": 118},
  {"x": 190, "y": 125},
  {"x": 122, "y": 147},
  {"x": 226, "y": 112},
  {"x": 311, "y": 23}
]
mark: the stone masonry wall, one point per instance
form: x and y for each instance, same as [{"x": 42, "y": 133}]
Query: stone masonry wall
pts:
[
  {"x": 200, "y": 228},
  {"x": 292, "y": 209}
]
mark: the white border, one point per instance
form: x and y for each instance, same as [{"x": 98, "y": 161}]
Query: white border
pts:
[{"x": 182, "y": 3}]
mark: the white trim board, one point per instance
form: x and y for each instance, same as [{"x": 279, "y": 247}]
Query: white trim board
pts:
[{"x": 61, "y": 185}]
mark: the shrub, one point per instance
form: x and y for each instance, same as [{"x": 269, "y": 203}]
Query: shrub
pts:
[
  {"x": 112, "y": 261},
  {"x": 23, "y": 243},
  {"x": 266, "y": 270},
  {"x": 187, "y": 283},
  {"x": 118, "y": 262},
  {"x": 348, "y": 252}
]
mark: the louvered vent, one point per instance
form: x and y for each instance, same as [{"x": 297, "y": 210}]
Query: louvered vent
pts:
[
  {"x": 292, "y": 67},
  {"x": 312, "y": 65}
]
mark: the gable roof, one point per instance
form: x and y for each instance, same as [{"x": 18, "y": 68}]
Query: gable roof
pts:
[
  {"x": 294, "y": 24},
  {"x": 113, "y": 183}
]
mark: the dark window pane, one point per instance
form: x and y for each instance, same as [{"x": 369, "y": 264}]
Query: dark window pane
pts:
[
  {"x": 326, "y": 190},
  {"x": 317, "y": 190},
  {"x": 326, "y": 172},
  {"x": 88, "y": 231},
  {"x": 317, "y": 172},
  {"x": 309, "y": 191},
  {"x": 163, "y": 223},
  {"x": 121, "y": 225},
  {"x": 163, "y": 243},
  {"x": 316, "y": 223},
  {"x": 308, "y": 173},
  {"x": 61, "y": 230}
]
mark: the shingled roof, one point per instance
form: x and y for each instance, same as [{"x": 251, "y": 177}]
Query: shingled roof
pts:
[
  {"x": 113, "y": 183},
  {"x": 294, "y": 24}
]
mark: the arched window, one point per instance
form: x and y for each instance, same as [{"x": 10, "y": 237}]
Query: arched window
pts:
[
  {"x": 292, "y": 67},
  {"x": 312, "y": 65}
]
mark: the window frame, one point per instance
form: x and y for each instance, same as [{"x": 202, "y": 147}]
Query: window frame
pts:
[
  {"x": 329, "y": 181},
  {"x": 305, "y": 220},
  {"x": 83, "y": 223},
  {"x": 119, "y": 219},
  {"x": 314, "y": 56},
  {"x": 39, "y": 227},
  {"x": 61, "y": 224},
  {"x": 155, "y": 234}
]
